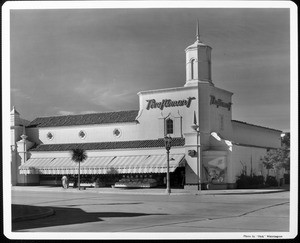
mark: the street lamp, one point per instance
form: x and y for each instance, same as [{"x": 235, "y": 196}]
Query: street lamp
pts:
[
  {"x": 196, "y": 128},
  {"x": 168, "y": 141}
]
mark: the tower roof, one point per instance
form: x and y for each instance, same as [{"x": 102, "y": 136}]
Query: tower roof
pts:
[
  {"x": 198, "y": 32},
  {"x": 14, "y": 111},
  {"x": 198, "y": 41}
]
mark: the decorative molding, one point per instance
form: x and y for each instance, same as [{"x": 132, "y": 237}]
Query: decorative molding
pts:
[
  {"x": 117, "y": 132},
  {"x": 50, "y": 135},
  {"x": 82, "y": 134}
]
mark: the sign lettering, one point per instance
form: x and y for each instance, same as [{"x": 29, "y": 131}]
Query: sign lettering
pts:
[
  {"x": 219, "y": 102},
  {"x": 152, "y": 104}
]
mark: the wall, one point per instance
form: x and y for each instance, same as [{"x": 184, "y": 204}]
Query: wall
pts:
[
  {"x": 94, "y": 133},
  {"x": 15, "y": 163},
  {"x": 113, "y": 152},
  {"x": 191, "y": 173},
  {"x": 16, "y": 130},
  {"x": 15, "y": 133},
  {"x": 242, "y": 155},
  {"x": 19, "y": 158},
  {"x": 246, "y": 134},
  {"x": 225, "y": 129},
  {"x": 151, "y": 119}
]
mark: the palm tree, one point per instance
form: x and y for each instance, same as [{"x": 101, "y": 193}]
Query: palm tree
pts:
[{"x": 78, "y": 156}]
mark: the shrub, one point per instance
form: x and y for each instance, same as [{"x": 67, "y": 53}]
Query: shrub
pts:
[
  {"x": 271, "y": 181},
  {"x": 254, "y": 181}
]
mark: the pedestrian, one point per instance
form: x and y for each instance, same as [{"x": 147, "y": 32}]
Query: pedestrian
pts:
[
  {"x": 75, "y": 183},
  {"x": 64, "y": 181},
  {"x": 182, "y": 179},
  {"x": 97, "y": 183}
]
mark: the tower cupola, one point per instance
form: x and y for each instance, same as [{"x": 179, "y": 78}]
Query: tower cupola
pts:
[
  {"x": 14, "y": 117},
  {"x": 198, "y": 62}
]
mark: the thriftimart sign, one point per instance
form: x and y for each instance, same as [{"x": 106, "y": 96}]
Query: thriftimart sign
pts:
[{"x": 153, "y": 104}]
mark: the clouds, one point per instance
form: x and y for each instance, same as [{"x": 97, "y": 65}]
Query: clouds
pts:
[
  {"x": 66, "y": 113},
  {"x": 17, "y": 94},
  {"x": 109, "y": 95},
  {"x": 74, "y": 61}
]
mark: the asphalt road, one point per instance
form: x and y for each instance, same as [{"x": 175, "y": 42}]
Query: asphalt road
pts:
[{"x": 85, "y": 211}]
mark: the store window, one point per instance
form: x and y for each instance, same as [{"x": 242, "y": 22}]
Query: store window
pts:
[{"x": 169, "y": 126}]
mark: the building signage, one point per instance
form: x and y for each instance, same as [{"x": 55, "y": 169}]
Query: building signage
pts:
[
  {"x": 152, "y": 104},
  {"x": 219, "y": 102}
]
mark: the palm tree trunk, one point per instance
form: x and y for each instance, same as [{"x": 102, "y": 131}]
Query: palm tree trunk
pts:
[{"x": 79, "y": 175}]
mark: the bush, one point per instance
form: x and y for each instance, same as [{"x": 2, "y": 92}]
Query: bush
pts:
[
  {"x": 247, "y": 182},
  {"x": 271, "y": 181}
]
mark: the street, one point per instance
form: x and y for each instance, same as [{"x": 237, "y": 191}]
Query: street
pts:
[{"x": 85, "y": 211}]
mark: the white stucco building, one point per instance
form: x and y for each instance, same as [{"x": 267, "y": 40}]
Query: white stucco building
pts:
[{"x": 208, "y": 147}]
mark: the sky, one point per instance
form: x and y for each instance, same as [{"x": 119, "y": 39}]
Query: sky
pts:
[{"x": 74, "y": 61}]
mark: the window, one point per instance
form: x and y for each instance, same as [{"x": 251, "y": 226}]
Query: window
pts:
[
  {"x": 169, "y": 126},
  {"x": 50, "y": 136},
  {"x": 82, "y": 134},
  {"x": 192, "y": 68},
  {"x": 117, "y": 132}
]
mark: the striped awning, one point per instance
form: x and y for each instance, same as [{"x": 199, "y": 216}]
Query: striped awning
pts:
[{"x": 103, "y": 165}]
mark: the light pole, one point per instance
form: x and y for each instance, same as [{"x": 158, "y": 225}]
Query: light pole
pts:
[
  {"x": 168, "y": 141},
  {"x": 24, "y": 137},
  {"x": 196, "y": 128}
]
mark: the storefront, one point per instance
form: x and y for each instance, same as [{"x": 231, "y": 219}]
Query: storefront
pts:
[{"x": 126, "y": 148}]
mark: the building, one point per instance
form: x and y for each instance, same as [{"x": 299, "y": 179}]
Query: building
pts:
[{"x": 126, "y": 148}]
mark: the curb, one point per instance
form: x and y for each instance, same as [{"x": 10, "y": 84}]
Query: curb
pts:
[
  {"x": 243, "y": 193},
  {"x": 161, "y": 192}
]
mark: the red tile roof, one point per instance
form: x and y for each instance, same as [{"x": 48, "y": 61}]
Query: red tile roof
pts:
[
  {"x": 109, "y": 145},
  {"x": 85, "y": 119}
]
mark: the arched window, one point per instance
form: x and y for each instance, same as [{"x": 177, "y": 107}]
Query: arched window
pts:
[
  {"x": 169, "y": 126},
  {"x": 192, "y": 68}
]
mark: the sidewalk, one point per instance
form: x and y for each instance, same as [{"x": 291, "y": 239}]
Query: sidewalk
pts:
[{"x": 150, "y": 191}]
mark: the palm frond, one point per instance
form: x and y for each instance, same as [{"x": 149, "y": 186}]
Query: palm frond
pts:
[{"x": 79, "y": 155}]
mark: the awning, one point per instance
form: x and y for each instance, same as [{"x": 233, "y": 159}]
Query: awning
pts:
[{"x": 103, "y": 165}]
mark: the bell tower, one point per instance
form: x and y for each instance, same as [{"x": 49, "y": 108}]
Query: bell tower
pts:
[{"x": 198, "y": 62}]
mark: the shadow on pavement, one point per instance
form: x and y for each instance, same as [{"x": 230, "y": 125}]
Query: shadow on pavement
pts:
[
  {"x": 69, "y": 216},
  {"x": 76, "y": 205}
]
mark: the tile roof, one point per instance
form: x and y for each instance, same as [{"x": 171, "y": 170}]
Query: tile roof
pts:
[
  {"x": 245, "y": 123},
  {"x": 109, "y": 145},
  {"x": 85, "y": 119}
]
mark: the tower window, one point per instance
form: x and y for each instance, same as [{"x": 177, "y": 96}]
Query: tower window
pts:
[
  {"x": 169, "y": 126},
  {"x": 192, "y": 69}
]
